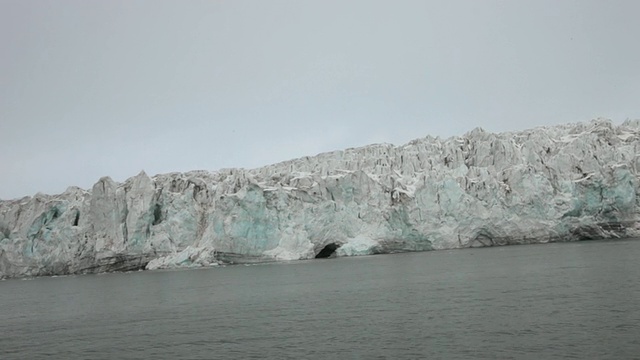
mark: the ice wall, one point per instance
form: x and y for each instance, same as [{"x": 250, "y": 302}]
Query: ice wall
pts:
[{"x": 563, "y": 183}]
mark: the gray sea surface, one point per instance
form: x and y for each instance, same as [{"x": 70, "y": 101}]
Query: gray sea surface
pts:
[{"x": 552, "y": 301}]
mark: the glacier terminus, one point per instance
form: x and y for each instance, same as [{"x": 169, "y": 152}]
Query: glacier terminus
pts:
[{"x": 562, "y": 183}]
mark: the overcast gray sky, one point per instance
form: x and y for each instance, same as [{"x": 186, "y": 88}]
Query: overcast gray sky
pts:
[{"x": 94, "y": 88}]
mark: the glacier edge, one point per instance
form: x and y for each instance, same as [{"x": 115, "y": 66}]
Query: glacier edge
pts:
[{"x": 562, "y": 183}]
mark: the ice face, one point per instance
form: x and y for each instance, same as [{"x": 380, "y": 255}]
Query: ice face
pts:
[{"x": 563, "y": 183}]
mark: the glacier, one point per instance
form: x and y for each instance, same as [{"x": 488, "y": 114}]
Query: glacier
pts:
[{"x": 562, "y": 183}]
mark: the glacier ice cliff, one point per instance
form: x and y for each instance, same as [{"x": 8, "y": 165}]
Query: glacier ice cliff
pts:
[{"x": 562, "y": 183}]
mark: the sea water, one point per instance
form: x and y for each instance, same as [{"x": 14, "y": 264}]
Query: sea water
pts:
[{"x": 569, "y": 300}]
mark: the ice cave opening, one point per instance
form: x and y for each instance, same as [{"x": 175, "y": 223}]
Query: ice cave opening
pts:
[{"x": 327, "y": 251}]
